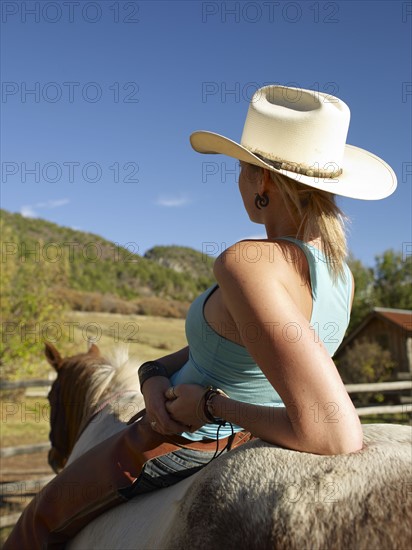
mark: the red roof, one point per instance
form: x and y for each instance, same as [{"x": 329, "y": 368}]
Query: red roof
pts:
[{"x": 401, "y": 317}]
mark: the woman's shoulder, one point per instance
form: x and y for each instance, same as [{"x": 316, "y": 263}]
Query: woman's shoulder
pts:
[{"x": 278, "y": 259}]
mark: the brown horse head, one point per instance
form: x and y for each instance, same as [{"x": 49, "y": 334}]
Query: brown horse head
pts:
[{"x": 70, "y": 397}]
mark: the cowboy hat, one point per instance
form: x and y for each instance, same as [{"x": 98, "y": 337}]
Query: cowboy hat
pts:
[{"x": 302, "y": 134}]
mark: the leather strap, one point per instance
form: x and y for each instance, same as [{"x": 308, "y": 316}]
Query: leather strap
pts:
[
  {"x": 210, "y": 445},
  {"x": 204, "y": 445}
]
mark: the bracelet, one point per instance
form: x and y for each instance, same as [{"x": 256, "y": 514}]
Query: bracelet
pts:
[
  {"x": 150, "y": 369},
  {"x": 208, "y": 396}
]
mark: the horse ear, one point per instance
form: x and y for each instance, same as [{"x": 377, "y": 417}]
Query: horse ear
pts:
[
  {"x": 52, "y": 355},
  {"x": 94, "y": 350}
]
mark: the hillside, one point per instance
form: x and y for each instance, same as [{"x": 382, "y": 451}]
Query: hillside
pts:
[
  {"x": 90, "y": 266},
  {"x": 183, "y": 260}
]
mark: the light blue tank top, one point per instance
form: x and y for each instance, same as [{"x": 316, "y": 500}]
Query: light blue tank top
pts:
[{"x": 215, "y": 360}]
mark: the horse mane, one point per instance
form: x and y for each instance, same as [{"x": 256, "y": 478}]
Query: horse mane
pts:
[
  {"x": 94, "y": 378},
  {"x": 124, "y": 367}
]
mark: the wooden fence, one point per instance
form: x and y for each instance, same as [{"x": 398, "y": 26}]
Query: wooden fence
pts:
[
  {"x": 20, "y": 488},
  {"x": 393, "y": 387}
]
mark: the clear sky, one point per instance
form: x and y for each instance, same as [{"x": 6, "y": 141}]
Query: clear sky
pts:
[{"x": 99, "y": 100}]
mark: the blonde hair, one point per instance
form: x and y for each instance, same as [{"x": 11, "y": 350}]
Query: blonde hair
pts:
[{"x": 317, "y": 215}]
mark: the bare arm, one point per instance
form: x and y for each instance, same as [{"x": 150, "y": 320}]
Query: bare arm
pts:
[{"x": 296, "y": 365}]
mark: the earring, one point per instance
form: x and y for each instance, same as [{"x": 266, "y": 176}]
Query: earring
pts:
[{"x": 261, "y": 201}]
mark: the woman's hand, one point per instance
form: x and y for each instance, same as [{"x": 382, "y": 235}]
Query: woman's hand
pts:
[
  {"x": 183, "y": 405},
  {"x": 155, "y": 401}
]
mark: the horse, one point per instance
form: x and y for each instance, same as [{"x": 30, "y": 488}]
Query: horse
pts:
[{"x": 258, "y": 496}]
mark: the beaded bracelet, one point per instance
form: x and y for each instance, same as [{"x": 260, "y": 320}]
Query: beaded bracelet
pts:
[{"x": 150, "y": 369}]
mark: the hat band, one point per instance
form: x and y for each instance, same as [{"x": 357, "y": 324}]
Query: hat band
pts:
[{"x": 301, "y": 168}]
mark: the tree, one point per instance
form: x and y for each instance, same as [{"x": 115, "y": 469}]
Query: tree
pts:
[
  {"x": 387, "y": 284},
  {"x": 365, "y": 362},
  {"x": 29, "y": 306},
  {"x": 364, "y": 298},
  {"x": 393, "y": 280}
]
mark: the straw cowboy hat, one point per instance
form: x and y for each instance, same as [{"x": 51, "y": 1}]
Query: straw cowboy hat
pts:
[{"x": 302, "y": 134}]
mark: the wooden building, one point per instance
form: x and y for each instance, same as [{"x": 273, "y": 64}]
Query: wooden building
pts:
[{"x": 392, "y": 330}]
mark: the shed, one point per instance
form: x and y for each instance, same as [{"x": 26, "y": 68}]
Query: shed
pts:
[{"x": 392, "y": 330}]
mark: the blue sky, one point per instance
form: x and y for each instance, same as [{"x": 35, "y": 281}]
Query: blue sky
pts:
[{"x": 99, "y": 100}]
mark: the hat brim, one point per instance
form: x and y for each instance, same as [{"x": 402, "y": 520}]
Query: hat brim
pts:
[{"x": 365, "y": 176}]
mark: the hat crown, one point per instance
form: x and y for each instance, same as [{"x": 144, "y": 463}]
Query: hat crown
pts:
[
  {"x": 302, "y": 135},
  {"x": 301, "y": 127}
]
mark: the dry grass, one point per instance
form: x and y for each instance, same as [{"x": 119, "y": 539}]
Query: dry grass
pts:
[
  {"x": 24, "y": 420},
  {"x": 148, "y": 337}
]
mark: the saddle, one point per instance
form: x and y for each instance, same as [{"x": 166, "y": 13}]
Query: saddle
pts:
[{"x": 97, "y": 481}]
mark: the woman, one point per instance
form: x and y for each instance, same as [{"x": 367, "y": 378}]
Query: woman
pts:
[
  {"x": 279, "y": 319},
  {"x": 261, "y": 340}
]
